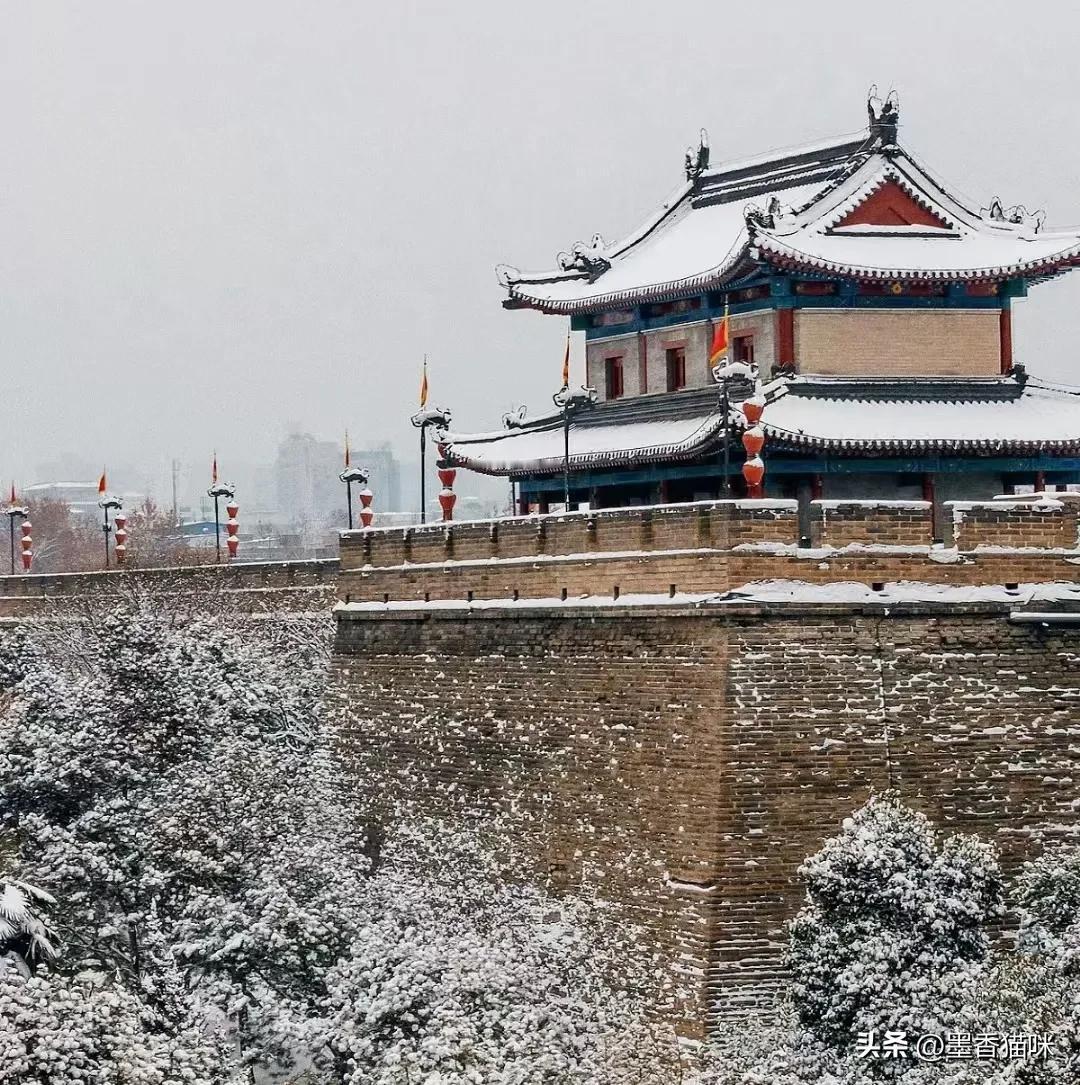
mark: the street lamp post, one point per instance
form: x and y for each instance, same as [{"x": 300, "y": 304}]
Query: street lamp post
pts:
[
  {"x": 571, "y": 404},
  {"x": 349, "y": 476},
  {"x": 724, "y": 374},
  {"x": 440, "y": 419},
  {"x": 108, "y": 504},
  {"x": 217, "y": 492},
  {"x": 13, "y": 513}
]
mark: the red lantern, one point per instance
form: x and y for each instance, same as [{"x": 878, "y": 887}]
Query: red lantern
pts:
[
  {"x": 365, "y": 497},
  {"x": 753, "y": 441},
  {"x": 231, "y": 509},
  {"x": 120, "y": 520},
  {"x": 754, "y": 471},
  {"x": 27, "y": 557},
  {"x": 121, "y": 553},
  {"x": 366, "y": 516},
  {"x": 121, "y": 536},
  {"x": 27, "y": 543},
  {"x": 447, "y": 498},
  {"x": 447, "y": 476},
  {"x": 232, "y": 542},
  {"x": 26, "y": 527},
  {"x": 753, "y": 409}
]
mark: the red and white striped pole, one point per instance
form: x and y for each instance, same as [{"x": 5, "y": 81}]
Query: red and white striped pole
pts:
[
  {"x": 367, "y": 513},
  {"x": 232, "y": 527},
  {"x": 27, "y": 542},
  {"x": 754, "y": 441},
  {"x": 121, "y": 536},
  {"x": 447, "y": 497}
]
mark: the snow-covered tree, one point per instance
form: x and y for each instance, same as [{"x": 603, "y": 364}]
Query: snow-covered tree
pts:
[
  {"x": 895, "y": 927},
  {"x": 169, "y": 779},
  {"x": 168, "y": 782},
  {"x": 70, "y": 1030},
  {"x": 460, "y": 975},
  {"x": 24, "y": 936}
]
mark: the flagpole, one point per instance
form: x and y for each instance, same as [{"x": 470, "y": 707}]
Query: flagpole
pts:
[
  {"x": 423, "y": 445},
  {"x": 423, "y": 475},
  {"x": 217, "y": 530}
]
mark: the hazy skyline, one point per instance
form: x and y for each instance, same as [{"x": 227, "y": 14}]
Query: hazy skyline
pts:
[{"x": 222, "y": 222}]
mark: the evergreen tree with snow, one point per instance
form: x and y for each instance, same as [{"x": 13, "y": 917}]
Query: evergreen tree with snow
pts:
[
  {"x": 170, "y": 784},
  {"x": 894, "y": 931}
]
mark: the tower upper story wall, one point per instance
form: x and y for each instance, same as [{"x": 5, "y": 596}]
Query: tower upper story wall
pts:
[{"x": 943, "y": 340}]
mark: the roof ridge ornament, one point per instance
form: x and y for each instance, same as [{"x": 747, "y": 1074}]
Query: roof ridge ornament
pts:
[
  {"x": 884, "y": 117},
  {"x": 1017, "y": 215},
  {"x": 758, "y": 219},
  {"x": 515, "y": 418},
  {"x": 697, "y": 162},
  {"x": 591, "y": 258}
]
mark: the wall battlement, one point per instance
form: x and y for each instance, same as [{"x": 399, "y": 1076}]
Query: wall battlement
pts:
[
  {"x": 288, "y": 585},
  {"x": 713, "y": 546}
]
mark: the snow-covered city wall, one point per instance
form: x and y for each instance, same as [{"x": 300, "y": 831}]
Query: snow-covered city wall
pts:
[
  {"x": 678, "y": 704},
  {"x": 685, "y": 756},
  {"x": 715, "y": 546}
]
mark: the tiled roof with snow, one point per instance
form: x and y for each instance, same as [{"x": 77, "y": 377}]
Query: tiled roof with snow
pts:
[
  {"x": 1006, "y": 415},
  {"x": 704, "y": 237},
  {"x": 622, "y": 432},
  {"x": 1002, "y": 415},
  {"x": 968, "y": 246}
]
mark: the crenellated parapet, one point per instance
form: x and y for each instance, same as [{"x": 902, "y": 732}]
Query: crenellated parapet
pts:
[{"x": 712, "y": 547}]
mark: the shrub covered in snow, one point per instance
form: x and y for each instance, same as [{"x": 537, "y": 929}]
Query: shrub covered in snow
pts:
[{"x": 894, "y": 930}]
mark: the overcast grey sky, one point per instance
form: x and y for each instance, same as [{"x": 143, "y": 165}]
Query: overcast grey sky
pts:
[{"x": 222, "y": 220}]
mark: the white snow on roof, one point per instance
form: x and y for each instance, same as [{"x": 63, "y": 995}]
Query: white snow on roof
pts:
[
  {"x": 543, "y": 449},
  {"x": 686, "y": 248},
  {"x": 692, "y": 243},
  {"x": 1043, "y": 416},
  {"x": 970, "y": 246}
]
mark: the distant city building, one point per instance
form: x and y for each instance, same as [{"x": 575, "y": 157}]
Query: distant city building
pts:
[
  {"x": 309, "y": 491},
  {"x": 81, "y": 497}
]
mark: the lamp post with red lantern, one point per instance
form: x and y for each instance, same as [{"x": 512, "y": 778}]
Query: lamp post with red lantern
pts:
[
  {"x": 232, "y": 527},
  {"x": 439, "y": 418},
  {"x": 349, "y": 476},
  {"x": 17, "y": 512},
  {"x": 112, "y": 504}
]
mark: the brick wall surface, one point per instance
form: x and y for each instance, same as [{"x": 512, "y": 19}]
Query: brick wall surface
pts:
[
  {"x": 898, "y": 342},
  {"x": 696, "y": 758},
  {"x": 695, "y": 755}
]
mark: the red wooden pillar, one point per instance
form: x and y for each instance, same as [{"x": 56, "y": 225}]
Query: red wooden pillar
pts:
[
  {"x": 542, "y": 506},
  {"x": 665, "y": 492},
  {"x": 929, "y": 493},
  {"x": 817, "y": 488},
  {"x": 1006, "y": 340},
  {"x": 1040, "y": 482},
  {"x": 785, "y": 337},
  {"x": 643, "y": 363},
  {"x": 523, "y": 505}
]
